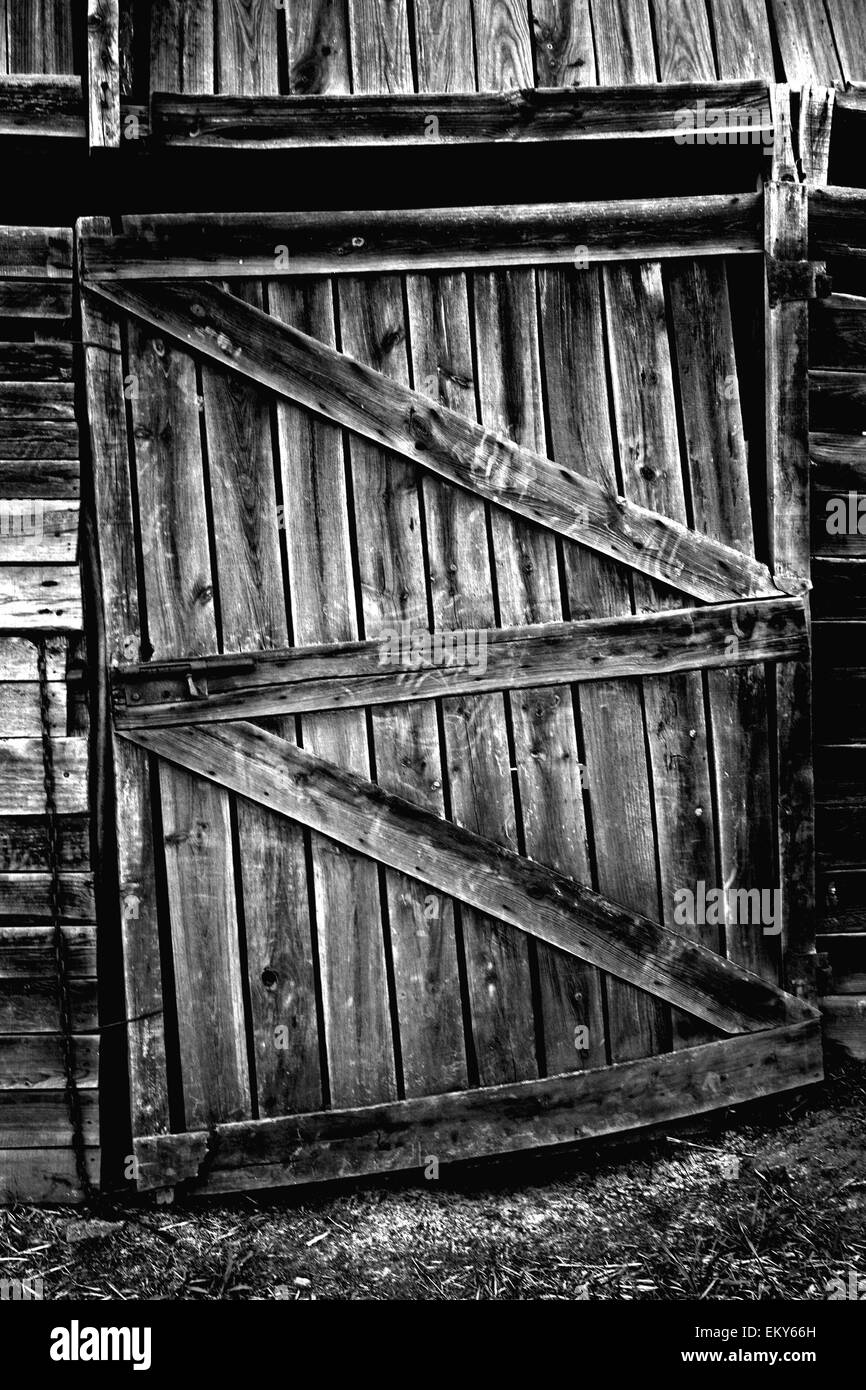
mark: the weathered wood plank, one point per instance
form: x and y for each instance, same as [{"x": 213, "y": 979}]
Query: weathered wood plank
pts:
[
  {"x": 390, "y": 526},
  {"x": 683, "y": 44},
  {"x": 389, "y": 413},
  {"x": 37, "y": 400},
  {"x": 344, "y": 675},
  {"x": 43, "y": 106},
  {"x": 41, "y": 362},
  {"x": 32, "y": 1005},
  {"x": 29, "y": 951},
  {"x": 35, "y": 299},
  {"x": 39, "y": 36},
  {"x": 36, "y": 252},
  {"x": 137, "y": 905},
  {"x": 404, "y": 119},
  {"x": 246, "y": 48},
  {"x": 318, "y": 47},
  {"x": 21, "y": 773},
  {"x": 31, "y": 1119},
  {"x": 527, "y": 895},
  {"x": 786, "y": 376},
  {"x": 743, "y": 39},
  {"x": 55, "y": 478},
  {"x": 182, "y": 46},
  {"x": 23, "y": 845},
  {"x": 623, "y": 41},
  {"x": 179, "y": 590},
  {"x": 837, "y": 402},
  {"x": 815, "y": 125},
  {"x": 562, "y": 43},
  {"x": 837, "y": 333},
  {"x": 357, "y": 1024},
  {"x": 184, "y": 246},
  {"x": 37, "y": 599},
  {"x": 837, "y": 222},
  {"x": 18, "y": 659},
  {"x": 37, "y": 530},
  {"x": 46, "y": 1175},
  {"x": 844, "y": 1023},
  {"x": 35, "y": 1061},
  {"x": 29, "y": 895},
  {"x": 805, "y": 42},
  {"x": 20, "y": 713},
  {"x": 271, "y": 854},
  {"x": 499, "y": 1119},
  {"x": 444, "y": 47},
  {"x": 103, "y": 74},
  {"x": 849, "y": 33}
]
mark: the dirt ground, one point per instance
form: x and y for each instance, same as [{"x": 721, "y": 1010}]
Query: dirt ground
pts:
[{"x": 765, "y": 1202}]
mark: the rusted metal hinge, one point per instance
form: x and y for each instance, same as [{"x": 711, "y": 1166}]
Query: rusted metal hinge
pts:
[
  {"x": 790, "y": 281},
  {"x": 190, "y": 676}
]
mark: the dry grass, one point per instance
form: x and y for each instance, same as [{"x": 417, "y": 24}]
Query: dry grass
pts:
[{"x": 652, "y": 1219}]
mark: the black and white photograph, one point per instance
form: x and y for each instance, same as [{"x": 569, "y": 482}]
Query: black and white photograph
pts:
[{"x": 432, "y": 675}]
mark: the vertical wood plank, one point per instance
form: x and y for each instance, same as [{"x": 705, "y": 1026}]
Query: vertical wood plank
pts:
[
  {"x": 786, "y": 384},
  {"x": 39, "y": 35},
  {"x": 246, "y": 54},
  {"x": 318, "y": 46},
  {"x": 683, "y": 44},
  {"x": 546, "y": 753},
  {"x": 253, "y": 614},
  {"x": 137, "y": 908},
  {"x": 477, "y": 761},
  {"x": 717, "y": 463},
  {"x": 647, "y": 439},
  {"x": 357, "y": 1018},
  {"x": 381, "y": 56},
  {"x": 445, "y": 54},
  {"x": 562, "y": 40},
  {"x": 848, "y": 20},
  {"x": 103, "y": 73},
  {"x": 815, "y": 126},
  {"x": 805, "y": 42},
  {"x": 182, "y": 46},
  {"x": 744, "y": 42},
  {"x": 195, "y": 813}
]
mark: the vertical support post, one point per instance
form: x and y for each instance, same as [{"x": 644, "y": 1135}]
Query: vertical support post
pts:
[
  {"x": 787, "y": 422},
  {"x": 103, "y": 74}
]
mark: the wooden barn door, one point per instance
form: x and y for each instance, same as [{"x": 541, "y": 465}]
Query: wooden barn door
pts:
[{"x": 390, "y": 897}]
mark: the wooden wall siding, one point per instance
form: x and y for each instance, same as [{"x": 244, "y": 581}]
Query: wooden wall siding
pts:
[
  {"x": 546, "y": 43},
  {"x": 40, "y": 600}
]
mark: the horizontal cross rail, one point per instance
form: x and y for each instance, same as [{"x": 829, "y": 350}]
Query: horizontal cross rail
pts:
[
  {"x": 463, "y": 865},
  {"x": 182, "y": 246},
  {"x": 402, "y": 664},
  {"x": 733, "y": 112},
  {"x": 287, "y": 361}
]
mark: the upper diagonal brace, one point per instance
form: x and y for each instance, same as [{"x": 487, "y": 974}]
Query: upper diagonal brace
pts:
[
  {"x": 498, "y": 882},
  {"x": 359, "y": 398}
]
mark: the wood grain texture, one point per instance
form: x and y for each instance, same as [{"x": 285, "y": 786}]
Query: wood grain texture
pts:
[
  {"x": 444, "y": 48},
  {"x": 683, "y": 45},
  {"x": 43, "y": 600},
  {"x": 837, "y": 333},
  {"x": 271, "y": 865},
  {"x": 532, "y": 897},
  {"x": 35, "y": 299},
  {"x": 36, "y": 530},
  {"x": 562, "y": 43},
  {"x": 349, "y": 923},
  {"x": 39, "y": 362},
  {"x": 805, "y": 42},
  {"x": 39, "y": 36},
  {"x": 489, "y": 463},
  {"x": 137, "y": 907},
  {"x": 42, "y": 106},
  {"x": 848, "y": 22},
  {"x": 408, "y": 757},
  {"x": 40, "y": 1119},
  {"x": 815, "y": 125},
  {"x": 36, "y": 252},
  {"x": 743, "y": 38},
  {"x": 29, "y": 951},
  {"x": 318, "y": 42},
  {"x": 45, "y": 1176},
  {"x": 182, "y": 46},
  {"x": 502, "y": 1119},
  {"x": 379, "y": 37},
  {"x": 103, "y": 73},
  {"x": 178, "y": 584},
  {"x": 35, "y": 1061},
  {"x": 23, "y": 845},
  {"x": 623, "y": 42},
  {"x": 246, "y": 47},
  {"x": 194, "y": 246},
  {"x": 28, "y": 895}
]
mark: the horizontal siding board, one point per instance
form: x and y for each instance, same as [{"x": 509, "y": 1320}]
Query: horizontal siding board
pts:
[{"x": 21, "y": 776}]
